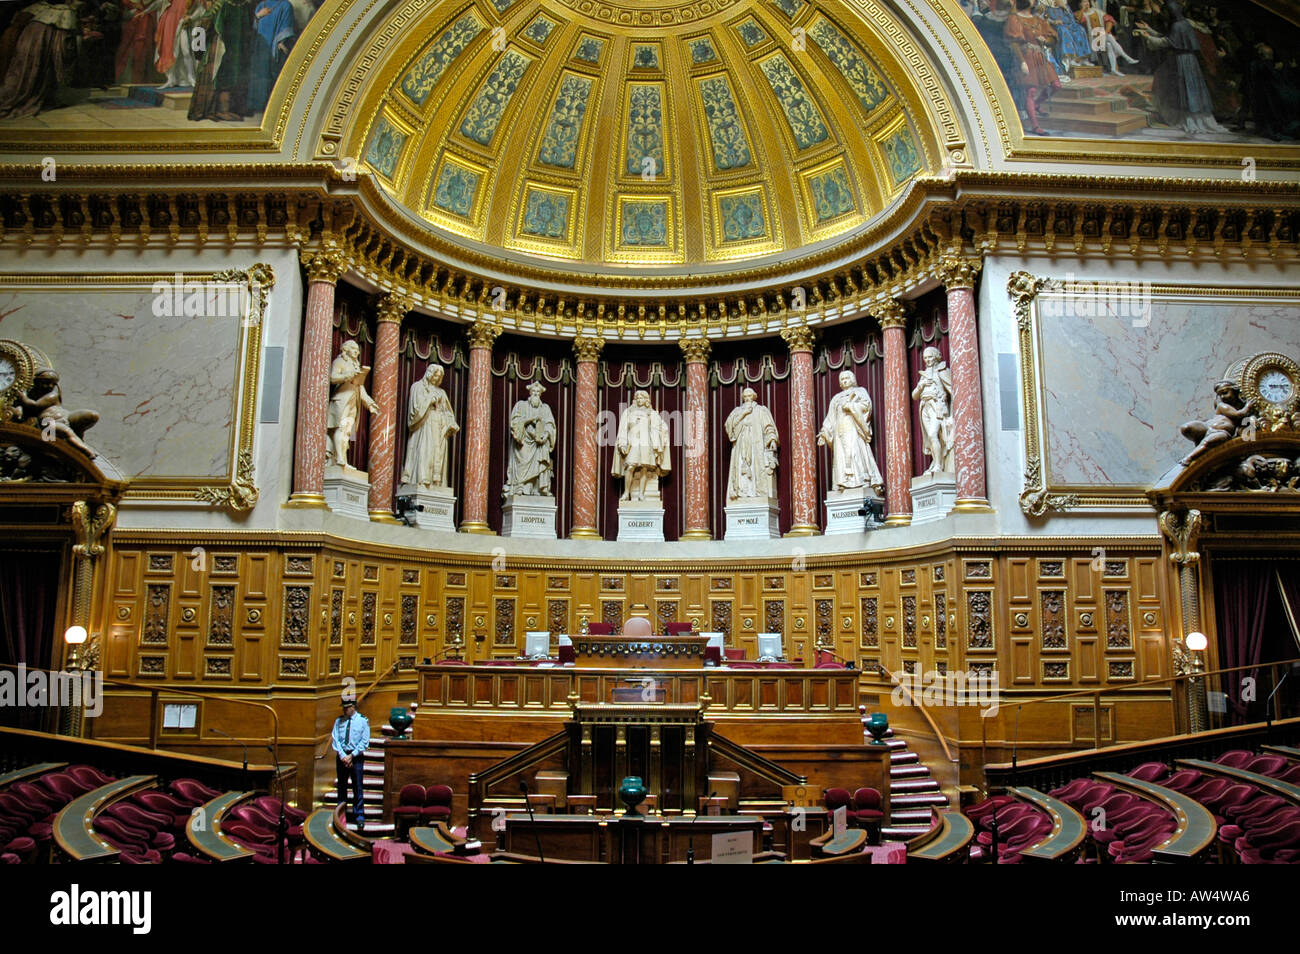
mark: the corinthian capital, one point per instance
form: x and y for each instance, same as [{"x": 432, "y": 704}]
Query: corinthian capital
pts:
[
  {"x": 890, "y": 312},
  {"x": 696, "y": 350},
  {"x": 956, "y": 271},
  {"x": 587, "y": 347},
  {"x": 325, "y": 264},
  {"x": 393, "y": 307},
  {"x": 482, "y": 334},
  {"x": 798, "y": 338}
]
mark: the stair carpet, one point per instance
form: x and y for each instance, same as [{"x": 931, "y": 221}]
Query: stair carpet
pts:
[
  {"x": 372, "y": 792},
  {"x": 912, "y": 792}
]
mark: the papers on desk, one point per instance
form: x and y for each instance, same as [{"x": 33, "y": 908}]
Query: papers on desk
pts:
[{"x": 732, "y": 848}]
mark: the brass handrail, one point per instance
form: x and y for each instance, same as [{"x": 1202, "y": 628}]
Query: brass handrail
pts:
[{"x": 947, "y": 752}]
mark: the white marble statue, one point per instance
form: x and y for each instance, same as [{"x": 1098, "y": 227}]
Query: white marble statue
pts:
[
  {"x": 532, "y": 440},
  {"x": 847, "y": 431},
  {"x": 347, "y": 377},
  {"x": 430, "y": 421},
  {"x": 753, "y": 450},
  {"x": 641, "y": 453},
  {"x": 933, "y": 392}
]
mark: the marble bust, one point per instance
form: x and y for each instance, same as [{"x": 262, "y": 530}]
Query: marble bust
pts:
[
  {"x": 347, "y": 378},
  {"x": 933, "y": 394},
  {"x": 847, "y": 431},
  {"x": 532, "y": 441},
  {"x": 641, "y": 453},
  {"x": 431, "y": 422},
  {"x": 754, "y": 441}
]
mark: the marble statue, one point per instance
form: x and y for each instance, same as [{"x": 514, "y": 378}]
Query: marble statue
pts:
[
  {"x": 430, "y": 421},
  {"x": 933, "y": 392},
  {"x": 43, "y": 403},
  {"x": 641, "y": 451},
  {"x": 1230, "y": 414},
  {"x": 753, "y": 450},
  {"x": 347, "y": 377},
  {"x": 847, "y": 431},
  {"x": 532, "y": 440}
]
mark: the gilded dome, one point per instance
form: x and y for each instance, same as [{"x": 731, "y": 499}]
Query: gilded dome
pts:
[{"x": 677, "y": 136}]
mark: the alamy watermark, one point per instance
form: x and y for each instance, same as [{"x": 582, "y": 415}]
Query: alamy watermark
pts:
[
  {"x": 38, "y": 689},
  {"x": 687, "y": 429},
  {"x": 978, "y": 687},
  {"x": 179, "y": 298},
  {"x": 1081, "y": 298}
]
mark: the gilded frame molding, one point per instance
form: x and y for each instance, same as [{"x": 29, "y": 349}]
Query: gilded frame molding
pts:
[
  {"x": 236, "y": 489},
  {"x": 1041, "y": 494}
]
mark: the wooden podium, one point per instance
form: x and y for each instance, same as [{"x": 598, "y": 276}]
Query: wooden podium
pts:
[
  {"x": 682, "y": 651},
  {"x": 664, "y": 744}
]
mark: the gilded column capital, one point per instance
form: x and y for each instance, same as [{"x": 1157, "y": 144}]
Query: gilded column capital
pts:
[
  {"x": 587, "y": 347},
  {"x": 696, "y": 350},
  {"x": 956, "y": 271},
  {"x": 890, "y": 312},
  {"x": 798, "y": 338},
  {"x": 393, "y": 307},
  {"x": 90, "y": 521},
  {"x": 482, "y": 334},
  {"x": 326, "y": 264},
  {"x": 1181, "y": 528}
]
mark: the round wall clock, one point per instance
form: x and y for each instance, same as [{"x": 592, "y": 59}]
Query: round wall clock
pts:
[
  {"x": 16, "y": 375},
  {"x": 1272, "y": 381}
]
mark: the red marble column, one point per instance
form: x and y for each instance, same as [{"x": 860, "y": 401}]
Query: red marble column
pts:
[
  {"x": 958, "y": 276},
  {"x": 383, "y": 426},
  {"x": 478, "y": 427},
  {"x": 587, "y": 351},
  {"x": 324, "y": 266},
  {"x": 803, "y": 431},
  {"x": 898, "y": 413},
  {"x": 695, "y": 433}
]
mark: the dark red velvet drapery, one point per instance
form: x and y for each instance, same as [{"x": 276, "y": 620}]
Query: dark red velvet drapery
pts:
[
  {"x": 1241, "y": 590},
  {"x": 765, "y": 367},
  {"x": 29, "y": 587}
]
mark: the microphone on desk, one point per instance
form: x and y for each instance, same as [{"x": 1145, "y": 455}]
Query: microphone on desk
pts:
[
  {"x": 523, "y": 787},
  {"x": 690, "y": 840}
]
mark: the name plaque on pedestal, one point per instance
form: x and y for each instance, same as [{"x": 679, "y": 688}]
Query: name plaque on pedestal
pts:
[
  {"x": 842, "y": 514},
  {"x": 347, "y": 491},
  {"x": 752, "y": 519},
  {"x": 933, "y": 496},
  {"x": 525, "y": 516},
  {"x": 641, "y": 520},
  {"x": 435, "y": 506}
]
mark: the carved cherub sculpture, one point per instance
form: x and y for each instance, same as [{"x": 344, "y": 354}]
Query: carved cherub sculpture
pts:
[
  {"x": 43, "y": 403},
  {"x": 1230, "y": 415}
]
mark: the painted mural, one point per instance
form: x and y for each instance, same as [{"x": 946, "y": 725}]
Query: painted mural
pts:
[
  {"x": 1180, "y": 70},
  {"x": 133, "y": 63}
]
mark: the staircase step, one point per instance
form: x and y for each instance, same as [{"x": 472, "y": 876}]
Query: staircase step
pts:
[
  {"x": 903, "y": 757},
  {"x": 909, "y": 771},
  {"x": 895, "y": 745},
  {"x": 918, "y": 800},
  {"x": 1112, "y": 124},
  {"x": 902, "y": 832},
  {"x": 913, "y": 786},
  {"x": 910, "y": 817},
  {"x": 1085, "y": 108}
]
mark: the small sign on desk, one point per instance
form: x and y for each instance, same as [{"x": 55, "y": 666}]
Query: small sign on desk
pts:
[
  {"x": 841, "y": 816},
  {"x": 733, "y": 848}
]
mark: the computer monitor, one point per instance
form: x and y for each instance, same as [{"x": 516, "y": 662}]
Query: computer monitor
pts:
[
  {"x": 537, "y": 645},
  {"x": 769, "y": 647}
]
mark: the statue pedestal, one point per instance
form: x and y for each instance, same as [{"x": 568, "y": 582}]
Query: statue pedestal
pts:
[
  {"x": 842, "y": 508},
  {"x": 933, "y": 496},
  {"x": 753, "y": 518},
  {"x": 435, "y": 506},
  {"x": 641, "y": 520},
  {"x": 527, "y": 516},
  {"x": 347, "y": 491}
]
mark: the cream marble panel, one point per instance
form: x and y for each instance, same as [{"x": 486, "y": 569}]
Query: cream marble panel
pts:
[
  {"x": 164, "y": 387},
  {"x": 1116, "y": 388}
]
